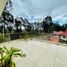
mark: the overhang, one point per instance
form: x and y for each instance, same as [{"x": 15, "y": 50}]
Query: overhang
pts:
[{"x": 2, "y": 5}]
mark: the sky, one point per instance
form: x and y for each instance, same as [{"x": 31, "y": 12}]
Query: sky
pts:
[{"x": 36, "y": 10}]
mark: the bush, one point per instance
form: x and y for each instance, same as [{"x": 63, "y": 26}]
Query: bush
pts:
[
  {"x": 7, "y": 56},
  {"x": 23, "y": 34},
  {"x": 1, "y": 38}
]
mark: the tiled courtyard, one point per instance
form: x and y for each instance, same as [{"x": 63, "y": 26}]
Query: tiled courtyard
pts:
[{"x": 39, "y": 54}]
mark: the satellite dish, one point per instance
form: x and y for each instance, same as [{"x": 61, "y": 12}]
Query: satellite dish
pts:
[{"x": 2, "y": 5}]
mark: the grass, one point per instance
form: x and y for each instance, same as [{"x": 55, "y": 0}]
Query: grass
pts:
[
  {"x": 1, "y": 38},
  {"x": 25, "y": 36}
]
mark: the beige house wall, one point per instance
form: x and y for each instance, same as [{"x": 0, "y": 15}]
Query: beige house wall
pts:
[{"x": 2, "y": 5}]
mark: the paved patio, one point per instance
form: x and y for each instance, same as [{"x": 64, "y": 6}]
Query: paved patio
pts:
[{"x": 40, "y": 54}]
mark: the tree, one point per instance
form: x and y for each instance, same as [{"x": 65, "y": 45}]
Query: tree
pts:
[
  {"x": 8, "y": 5},
  {"x": 17, "y": 24},
  {"x": 48, "y": 24},
  {"x": 57, "y": 27},
  {"x": 64, "y": 27},
  {"x": 7, "y": 17},
  {"x": 26, "y": 24}
]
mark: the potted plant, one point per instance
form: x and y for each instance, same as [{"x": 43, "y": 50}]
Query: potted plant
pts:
[
  {"x": 8, "y": 54},
  {"x": 1, "y": 56}
]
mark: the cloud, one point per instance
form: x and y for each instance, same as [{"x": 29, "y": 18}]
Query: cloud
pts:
[
  {"x": 62, "y": 19},
  {"x": 39, "y": 8},
  {"x": 62, "y": 10}
]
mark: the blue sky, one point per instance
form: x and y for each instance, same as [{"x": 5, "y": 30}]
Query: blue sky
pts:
[
  {"x": 62, "y": 19},
  {"x": 35, "y": 10}
]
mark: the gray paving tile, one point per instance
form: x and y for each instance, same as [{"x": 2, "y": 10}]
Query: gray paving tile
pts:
[{"x": 40, "y": 54}]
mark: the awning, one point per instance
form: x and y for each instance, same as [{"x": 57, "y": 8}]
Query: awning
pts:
[
  {"x": 60, "y": 33},
  {"x": 64, "y": 33},
  {"x": 2, "y": 5}
]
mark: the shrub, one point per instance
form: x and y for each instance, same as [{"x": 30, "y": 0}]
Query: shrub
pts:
[
  {"x": 23, "y": 34},
  {"x": 8, "y": 54},
  {"x": 1, "y": 38}
]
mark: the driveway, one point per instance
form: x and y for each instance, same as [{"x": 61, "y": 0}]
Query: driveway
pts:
[{"x": 39, "y": 53}]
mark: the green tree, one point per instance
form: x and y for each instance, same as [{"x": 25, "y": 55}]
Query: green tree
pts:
[
  {"x": 18, "y": 24},
  {"x": 64, "y": 27},
  {"x": 48, "y": 24},
  {"x": 6, "y": 17}
]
